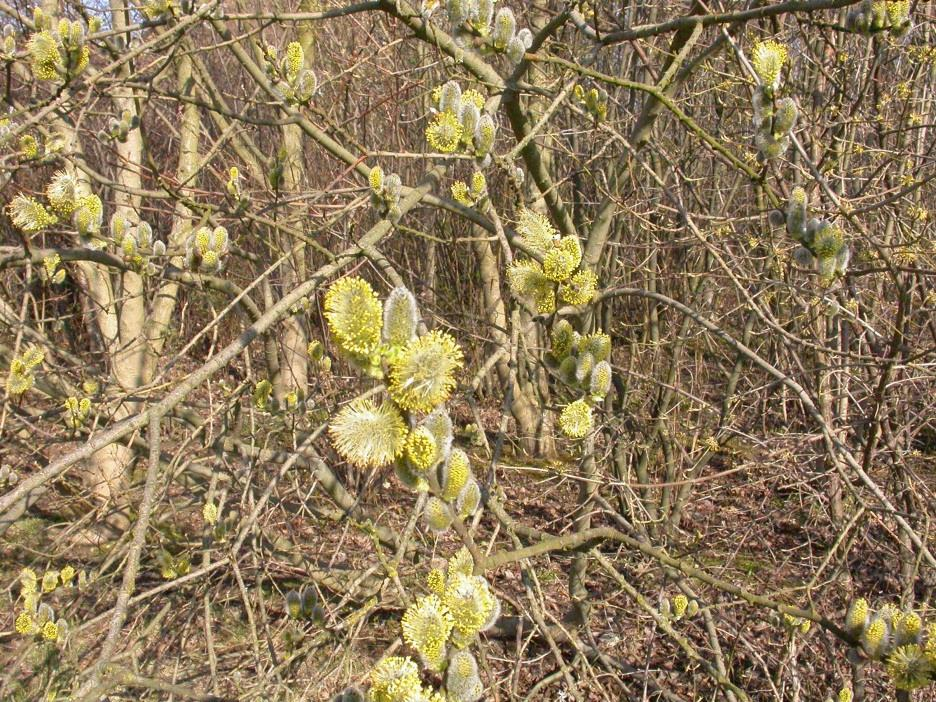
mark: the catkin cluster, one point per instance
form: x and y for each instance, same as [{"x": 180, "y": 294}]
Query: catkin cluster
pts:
[
  {"x": 821, "y": 243},
  {"x": 440, "y": 627},
  {"x": 173, "y": 566},
  {"x": 50, "y": 271},
  {"x": 460, "y": 124},
  {"x": 774, "y": 118},
  {"x": 478, "y": 17},
  {"x": 898, "y": 639},
  {"x": 385, "y": 193},
  {"x": 678, "y": 607},
  {"x": 582, "y": 363},
  {"x": 22, "y": 376},
  {"x": 42, "y": 149},
  {"x": 594, "y": 100},
  {"x": 296, "y": 83},
  {"x": 119, "y": 129},
  {"x": 382, "y": 340},
  {"x": 410, "y": 426},
  {"x": 136, "y": 243},
  {"x": 76, "y": 411},
  {"x": 205, "y": 249},
  {"x": 559, "y": 275},
  {"x": 8, "y": 477},
  {"x": 159, "y": 9},
  {"x": 68, "y": 197},
  {"x": 57, "y": 50},
  {"x": 294, "y": 402},
  {"x": 235, "y": 189},
  {"x": 875, "y": 16},
  {"x": 30, "y": 215},
  {"x": 303, "y": 604},
  {"x": 471, "y": 194},
  {"x": 37, "y": 619}
]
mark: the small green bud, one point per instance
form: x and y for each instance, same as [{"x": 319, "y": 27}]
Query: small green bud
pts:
[
  {"x": 309, "y": 602},
  {"x": 294, "y": 604}
]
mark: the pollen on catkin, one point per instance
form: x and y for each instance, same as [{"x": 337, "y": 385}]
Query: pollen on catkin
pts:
[
  {"x": 876, "y": 638},
  {"x": 536, "y": 231},
  {"x": 469, "y": 116},
  {"x": 598, "y": 344},
  {"x": 558, "y": 265},
  {"x": 435, "y": 581},
  {"x": 472, "y": 604},
  {"x": 478, "y": 185},
  {"x": 909, "y": 629},
  {"x": 30, "y": 215},
  {"x": 785, "y": 117},
  {"x": 680, "y": 605},
  {"x": 462, "y": 665},
  {"x": 828, "y": 240},
  {"x": 44, "y": 55},
  {"x": 354, "y": 314},
  {"x": 515, "y": 49},
  {"x": 437, "y": 515},
  {"x": 455, "y": 474},
  {"x": 426, "y": 627},
  {"x": 25, "y": 624},
  {"x": 61, "y": 192},
  {"x": 462, "y": 682},
  {"x": 368, "y": 435},
  {"x": 76, "y": 411},
  {"x": 908, "y": 667},
  {"x": 768, "y": 58},
  {"x": 580, "y": 289},
  {"x": 576, "y": 419},
  {"x": 505, "y": 26},
  {"x": 561, "y": 339},
  {"x": 450, "y": 96},
  {"x": 857, "y": 616},
  {"x": 88, "y": 215},
  {"x": 376, "y": 179},
  {"x": 527, "y": 279},
  {"x": 294, "y": 604},
  {"x": 444, "y": 133},
  {"x": 485, "y": 136},
  {"x": 796, "y": 214},
  {"x": 67, "y": 574},
  {"x": 393, "y": 679},
  {"x": 460, "y": 193},
  {"x": 294, "y": 60},
  {"x": 421, "y": 450},
  {"x": 460, "y": 562},
  {"x": 422, "y": 376},
  {"x": 21, "y": 377}
]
